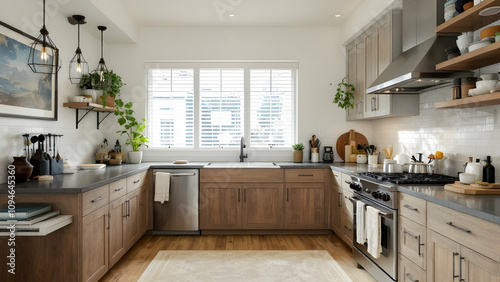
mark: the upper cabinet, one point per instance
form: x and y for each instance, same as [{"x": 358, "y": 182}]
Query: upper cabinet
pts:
[{"x": 367, "y": 56}]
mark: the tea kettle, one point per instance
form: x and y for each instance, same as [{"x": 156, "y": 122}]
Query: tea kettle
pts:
[{"x": 328, "y": 154}]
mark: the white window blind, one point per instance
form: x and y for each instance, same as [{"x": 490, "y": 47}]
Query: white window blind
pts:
[
  {"x": 171, "y": 107},
  {"x": 272, "y": 108},
  {"x": 222, "y": 107}
]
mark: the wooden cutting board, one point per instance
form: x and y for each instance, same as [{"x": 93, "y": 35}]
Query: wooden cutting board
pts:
[
  {"x": 458, "y": 187},
  {"x": 344, "y": 140}
]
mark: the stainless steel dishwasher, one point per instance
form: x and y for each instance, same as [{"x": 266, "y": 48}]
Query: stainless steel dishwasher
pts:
[{"x": 180, "y": 214}]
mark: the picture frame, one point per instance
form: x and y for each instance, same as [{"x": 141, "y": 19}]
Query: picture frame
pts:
[{"x": 23, "y": 93}]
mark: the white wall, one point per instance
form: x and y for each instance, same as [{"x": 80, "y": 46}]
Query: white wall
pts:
[
  {"x": 77, "y": 145},
  {"x": 321, "y": 62}
]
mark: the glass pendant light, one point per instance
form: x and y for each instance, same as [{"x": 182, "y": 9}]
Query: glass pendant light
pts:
[
  {"x": 100, "y": 77},
  {"x": 77, "y": 66},
  {"x": 44, "y": 55}
]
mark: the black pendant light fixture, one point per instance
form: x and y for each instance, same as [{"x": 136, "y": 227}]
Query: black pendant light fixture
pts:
[
  {"x": 77, "y": 66},
  {"x": 100, "y": 77},
  {"x": 44, "y": 55}
]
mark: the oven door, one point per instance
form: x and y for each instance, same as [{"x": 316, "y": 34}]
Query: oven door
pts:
[{"x": 387, "y": 261}]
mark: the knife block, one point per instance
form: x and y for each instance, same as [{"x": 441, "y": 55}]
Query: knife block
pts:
[{"x": 56, "y": 166}]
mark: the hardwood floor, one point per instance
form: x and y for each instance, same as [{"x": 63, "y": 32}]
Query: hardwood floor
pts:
[{"x": 133, "y": 264}]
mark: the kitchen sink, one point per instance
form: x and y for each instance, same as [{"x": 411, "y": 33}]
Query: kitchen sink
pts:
[{"x": 242, "y": 165}]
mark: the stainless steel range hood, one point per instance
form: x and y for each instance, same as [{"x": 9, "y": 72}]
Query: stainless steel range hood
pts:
[{"x": 414, "y": 71}]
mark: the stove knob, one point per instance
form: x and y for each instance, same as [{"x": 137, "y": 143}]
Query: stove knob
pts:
[
  {"x": 368, "y": 191},
  {"x": 355, "y": 186},
  {"x": 386, "y": 197},
  {"x": 376, "y": 194}
]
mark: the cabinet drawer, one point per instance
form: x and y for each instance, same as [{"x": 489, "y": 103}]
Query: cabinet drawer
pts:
[
  {"x": 337, "y": 178},
  {"x": 410, "y": 272},
  {"x": 94, "y": 199},
  {"x": 136, "y": 181},
  {"x": 346, "y": 178},
  {"x": 413, "y": 208},
  {"x": 347, "y": 205},
  {"x": 304, "y": 175},
  {"x": 347, "y": 230},
  {"x": 474, "y": 233},
  {"x": 413, "y": 241},
  {"x": 117, "y": 189}
]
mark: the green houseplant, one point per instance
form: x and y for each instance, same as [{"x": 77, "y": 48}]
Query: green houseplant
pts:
[
  {"x": 344, "y": 95},
  {"x": 87, "y": 85},
  {"x": 298, "y": 153},
  {"x": 109, "y": 94},
  {"x": 133, "y": 129}
]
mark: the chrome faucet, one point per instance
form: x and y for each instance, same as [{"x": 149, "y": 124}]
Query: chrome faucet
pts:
[{"x": 242, "y": 145}]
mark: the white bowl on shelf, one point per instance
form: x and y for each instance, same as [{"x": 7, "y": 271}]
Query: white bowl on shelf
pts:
[
  {"x": 486, "y": 84},
  {"x": 478, "y": 44},
  {"x": 489, "y": 76}
]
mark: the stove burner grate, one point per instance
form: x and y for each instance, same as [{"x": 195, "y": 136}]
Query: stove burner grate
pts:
[{"x": 409, "y": 178}]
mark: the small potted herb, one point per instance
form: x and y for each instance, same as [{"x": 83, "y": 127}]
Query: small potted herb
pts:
[
  {"x": 298, "y": 153},
  {"x": 133, "y": 129},
  {"x": 345, "y": 94},
  {"x": 109, "y": 94},
  {"x": 87, "y": 85}
]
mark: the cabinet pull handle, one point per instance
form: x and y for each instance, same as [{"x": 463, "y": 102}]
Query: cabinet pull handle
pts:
[
  {"x": 460, "y": 269},
  {"x": 310, "y": 175},
  {"x": 410, "y": 208},
  {"x": 414, "y": 236},
  {"x": 125, "y": 209},
  {"x": 244, "y": 195},
  {"x": 373, "y": 101},
  {"x": 238, "y": 195},
  {"x": 119, "y": 189},
  {"x": 419, "y": 245},
  {"x": 407, "y": 275},
  {"x": 109, "y": 220},
  {"x": 454, "y": 254},
  {"x": 348, "y": 229},
  {"x": 128, "y": 208},
  {"x": 137, "y": 181},
  {"x": 97, "y": 199},
  {"x": 287, "y": 189},
  {"x": 459, "y": 228},
  {"x": 340, "y": 199}
]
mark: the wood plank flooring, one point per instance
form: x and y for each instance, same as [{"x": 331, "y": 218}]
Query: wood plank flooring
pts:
[{"x": 133, "y": 264}]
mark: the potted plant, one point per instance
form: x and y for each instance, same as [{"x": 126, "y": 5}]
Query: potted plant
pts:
[
  {"x": 298, "y": 153},
  {"x": 87, "y": 85},
  {"x": 133, "y": 129},
  {"x": 109, "y": 94},
  {"x": 344, "y": 95}
]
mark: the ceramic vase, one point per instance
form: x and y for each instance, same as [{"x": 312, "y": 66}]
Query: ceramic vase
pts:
[
  {"x": 135, "y": 157},
  {"x": 23, "y": 169},
  {"x": 298, "y": 156}
]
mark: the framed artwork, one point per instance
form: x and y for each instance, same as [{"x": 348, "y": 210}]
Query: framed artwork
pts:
[{"x": 23, "y": 93}]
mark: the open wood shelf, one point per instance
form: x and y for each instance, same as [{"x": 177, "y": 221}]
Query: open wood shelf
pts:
[
  {"x": 470, "y": 20},
  {"x": 89, "y": 106},
  {"x": 476, "y": 59},
  {"x": 471, "y": 102},
  {"x": 44, "y": 227}
]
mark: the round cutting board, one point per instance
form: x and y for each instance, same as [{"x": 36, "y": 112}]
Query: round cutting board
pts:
[{"x": 344, "y": 140}]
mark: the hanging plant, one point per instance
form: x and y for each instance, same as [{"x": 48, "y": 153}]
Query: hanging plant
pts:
[{"x": 344, "y": 97}]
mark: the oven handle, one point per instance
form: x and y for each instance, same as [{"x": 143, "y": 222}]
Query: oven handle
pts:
[{"x": 383, "y": 214}]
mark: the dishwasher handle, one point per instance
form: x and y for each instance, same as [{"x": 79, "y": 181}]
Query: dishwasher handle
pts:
[{"x": 182, "y": 174}]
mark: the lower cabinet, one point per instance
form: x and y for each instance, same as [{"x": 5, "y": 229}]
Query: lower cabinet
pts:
[
  {"x": 95, "y": 228},
  {"x": 347, "y": 233},
  {"x": 410, "y": 272},
  {"x": 336, "y": 212},
  {"x": 241, "y": 206},
  {"x": 131, "y": 219},
  {"x": 304, "y": 206},
  {"x": 117, "y": 214}
]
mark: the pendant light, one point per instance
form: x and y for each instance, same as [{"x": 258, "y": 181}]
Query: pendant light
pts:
[
  {"x": 77, "y": 66},
  {"x": 100, "y": 78},
  {"x": 44, "y": 55}
]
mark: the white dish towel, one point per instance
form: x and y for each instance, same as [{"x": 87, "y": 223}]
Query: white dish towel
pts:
[
  {"x": 360, "y": 223},
  {"x": 373, "y": 234},
  {"x": 162, "y": 187}
]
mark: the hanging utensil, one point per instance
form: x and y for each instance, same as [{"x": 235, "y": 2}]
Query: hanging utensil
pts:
[
  {"x": 33, "y": 140},
  {"x": 58, "y": 157},
  {"x": 49, "y": 149},
  {"x": 41, "y": 139}
]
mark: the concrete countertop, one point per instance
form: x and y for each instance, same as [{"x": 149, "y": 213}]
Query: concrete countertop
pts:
[{"x": 486, "y": 207}]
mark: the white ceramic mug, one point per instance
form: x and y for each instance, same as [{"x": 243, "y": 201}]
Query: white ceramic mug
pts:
[
  {"x": 361, "y": 159},
  {"x": 372, "y": 159}
]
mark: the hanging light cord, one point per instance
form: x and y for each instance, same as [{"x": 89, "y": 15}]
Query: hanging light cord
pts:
[{"x": 102, "y": 38}]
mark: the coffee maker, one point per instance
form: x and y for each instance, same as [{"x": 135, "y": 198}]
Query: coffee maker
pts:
[{"x": 328, "y": 154}]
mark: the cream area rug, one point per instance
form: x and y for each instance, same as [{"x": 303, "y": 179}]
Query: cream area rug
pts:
[{"x": 234, "y": 266}]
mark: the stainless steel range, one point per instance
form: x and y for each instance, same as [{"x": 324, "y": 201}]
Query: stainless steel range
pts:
[{"x": 379, "y": 190}]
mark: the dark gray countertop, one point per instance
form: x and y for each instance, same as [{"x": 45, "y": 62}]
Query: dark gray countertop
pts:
[{"x": 482, "y": 206}]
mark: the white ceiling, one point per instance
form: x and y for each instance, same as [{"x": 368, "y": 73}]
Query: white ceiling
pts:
[{"x": 160, "y": 13}]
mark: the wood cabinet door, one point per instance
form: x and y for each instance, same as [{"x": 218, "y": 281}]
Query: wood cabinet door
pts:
[
  {"x": 443, "y": 258},
  {"x": 383, "y": 103},
  {"x": 478, "y": 268},
  {"x": 220, "y": 206},
  {"x": 371, "y": 65},
  {"x": 144, "y": 203},
  {"x": 347, "y": 230},
  {"x": 351, "y": 78},
  {"x": 131, "y": 219},
  {"x": 412, "y": 241},
  {"x": 262, "y": 206},
  {"x": 117, "y": 213},
  {"x": 95, "y": 244},
  {"x": 336, "y": 209},
  {"x": 410, "y": 272},
  {"x": 305, "y": 206}
]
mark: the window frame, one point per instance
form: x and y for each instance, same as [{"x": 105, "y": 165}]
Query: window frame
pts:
[{"x": 247, "y": 66}]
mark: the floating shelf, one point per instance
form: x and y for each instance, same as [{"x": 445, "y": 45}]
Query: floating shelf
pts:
[
  {"x": 470, "y": 20},
  {"x": 44, "y": 227},
  {"x": 479, "y": 58},
  {"x": 90, "y": 107},
  {"x": 471, "y": 102}
]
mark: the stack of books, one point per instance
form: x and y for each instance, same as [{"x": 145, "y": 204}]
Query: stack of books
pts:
[{"x": 27, "y": 217}]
